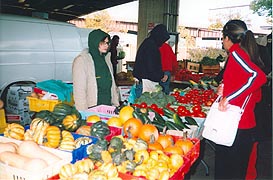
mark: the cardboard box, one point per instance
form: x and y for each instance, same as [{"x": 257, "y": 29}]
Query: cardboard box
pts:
[{"x": 124, "y": 92}]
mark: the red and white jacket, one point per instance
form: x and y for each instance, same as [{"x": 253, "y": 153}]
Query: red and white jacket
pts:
[{"x": 242, "y": 78}]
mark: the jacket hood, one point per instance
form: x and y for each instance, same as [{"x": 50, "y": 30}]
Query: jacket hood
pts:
[
  {"x": 160, "y": 34},
  {"x": 94, "y": 38}
]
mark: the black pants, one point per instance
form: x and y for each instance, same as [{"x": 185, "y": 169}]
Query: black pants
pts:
[{"x": 232, "y": 162}]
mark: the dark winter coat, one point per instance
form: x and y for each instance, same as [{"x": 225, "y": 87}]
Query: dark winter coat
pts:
[{"x": 148, "y": 58}]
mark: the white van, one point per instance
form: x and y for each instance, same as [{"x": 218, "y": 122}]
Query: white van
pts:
[{"x": 33, "y": 49}]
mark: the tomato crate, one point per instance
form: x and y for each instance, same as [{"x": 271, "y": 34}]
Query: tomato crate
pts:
[
  {"x": 9, "y": 172},
  {"x": 38, "y": 105}
]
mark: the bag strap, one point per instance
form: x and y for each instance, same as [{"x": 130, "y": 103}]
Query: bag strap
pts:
[{"x": 245, "y": 102}]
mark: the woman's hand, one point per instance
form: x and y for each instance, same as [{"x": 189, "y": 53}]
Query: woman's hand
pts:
[
  {"x": 220, "y": 89},
  {"x": 165, "y": 78},
  {"x": 223, "y": 104}
]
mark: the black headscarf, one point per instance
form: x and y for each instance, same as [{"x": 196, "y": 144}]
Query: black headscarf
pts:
[{"x": 148, "y": 58}]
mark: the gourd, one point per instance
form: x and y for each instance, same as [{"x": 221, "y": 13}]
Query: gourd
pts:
[
  {"x": 67, "y": 171},
  {"x": 52, "y": 137},
  {"x": 38, "y": 127},
  {"x": 22, "y": 162},
  {"x": 67, "y": 142},
  {"x": 71, "y": 122},
  {"x": 85, "y": 165},
  {"x": 100, "y": 129},
  {"x": 47, "y": 116},
  {"x": 15, "y": 131},
  {"x": 33, "y": 150},
  {"x": 84, "y": 130}
]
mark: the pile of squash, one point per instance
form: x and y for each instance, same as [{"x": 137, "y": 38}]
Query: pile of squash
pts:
[
  {"x": 124, "y": 156},
  {"x": 51, "y": 129}
]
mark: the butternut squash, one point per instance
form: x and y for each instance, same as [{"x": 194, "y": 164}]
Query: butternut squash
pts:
[
  {"x": 22, "y": 162},
  {"x": 33, "y": 150},
  {"x": 8, "y": 146}
]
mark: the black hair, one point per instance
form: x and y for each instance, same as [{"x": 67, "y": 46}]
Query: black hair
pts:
[{"x": 237, "y": 32}]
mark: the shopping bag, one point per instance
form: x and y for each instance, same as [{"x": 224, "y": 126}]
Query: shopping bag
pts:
[{"x": 221, "y": 126}]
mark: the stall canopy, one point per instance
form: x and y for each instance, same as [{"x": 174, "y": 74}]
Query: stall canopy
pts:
[{"x": 61, "y": 10}]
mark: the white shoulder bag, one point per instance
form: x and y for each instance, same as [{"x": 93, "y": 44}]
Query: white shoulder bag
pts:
[{"x": 221, "y": 126}]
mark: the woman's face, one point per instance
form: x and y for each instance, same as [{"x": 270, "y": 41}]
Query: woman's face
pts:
[
  {"x": 104, "y": 45},
  {"x": 226, "y": 43}
]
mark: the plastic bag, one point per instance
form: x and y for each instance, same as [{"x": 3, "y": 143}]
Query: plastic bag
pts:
[{"x": 135, "y": 92}]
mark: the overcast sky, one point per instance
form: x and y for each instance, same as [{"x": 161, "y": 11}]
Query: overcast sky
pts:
[{"x": 191, "y": 12}]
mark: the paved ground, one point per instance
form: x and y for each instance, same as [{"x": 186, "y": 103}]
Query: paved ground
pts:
[{"x": 264, "y": 162}]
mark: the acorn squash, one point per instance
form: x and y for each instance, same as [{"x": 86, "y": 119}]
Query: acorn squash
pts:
[
  {"x": 15, "y": 131},
  {"x": 100, "y": 129}
]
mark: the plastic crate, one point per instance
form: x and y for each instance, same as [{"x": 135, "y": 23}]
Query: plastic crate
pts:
[
  {"x": 9, "y": 172},
  {"x": 194, "y": 153},
  {"x": 81, "y": 152},
  {"x": 38, "y": 105},
  {"x": 179, "y": 174},
  {"x": 105, "y": 112}
]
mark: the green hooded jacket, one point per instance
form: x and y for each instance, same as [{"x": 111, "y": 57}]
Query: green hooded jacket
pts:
[{"x": 103, "y": 75}]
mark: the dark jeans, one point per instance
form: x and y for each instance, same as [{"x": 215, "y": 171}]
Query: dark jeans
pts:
[
  {"x": 232, "y": 162},
  {"x": 166, "y": 85}
]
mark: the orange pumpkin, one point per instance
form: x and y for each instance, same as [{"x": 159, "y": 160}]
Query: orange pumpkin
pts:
[
  {"x": 131, "y": 127},
  {"x": 172, "y": 149},
  {"x": 146, "y": 131},
  {"x": 185, "y": 144},
  {"x": 165, "y": 140},
  {"x": 154, "y": 145}
]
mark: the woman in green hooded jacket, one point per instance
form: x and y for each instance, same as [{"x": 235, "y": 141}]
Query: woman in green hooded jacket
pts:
[{"x": 93, "y": 81}]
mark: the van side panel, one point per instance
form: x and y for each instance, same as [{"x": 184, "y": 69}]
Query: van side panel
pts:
[
  {"x": 26, "y": 52},
  {"x": 66, "y": 46}
]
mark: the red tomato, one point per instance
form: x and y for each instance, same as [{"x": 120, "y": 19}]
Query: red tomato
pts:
[
  {"x": 196, "y": 108},
  {"x": 202, "y": 115},
  {"x": 160, "y": 111},
  {"x": 181, "y": 109},
  {"x": 143, "y": 105},
  {"x": 154, "y": 107}
]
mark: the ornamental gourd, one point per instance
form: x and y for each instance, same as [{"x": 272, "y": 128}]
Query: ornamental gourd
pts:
[
  {"x": 38, "y": 127},
  {"x": 15, "y": 131}
]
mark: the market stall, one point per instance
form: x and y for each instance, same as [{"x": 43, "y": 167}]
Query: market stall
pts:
[{"x": 157, "y": 136}]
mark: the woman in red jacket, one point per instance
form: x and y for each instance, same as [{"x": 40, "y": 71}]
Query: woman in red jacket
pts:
[
  {"x": 242, "y": 77},
  {"x": 169, "y": 65}
]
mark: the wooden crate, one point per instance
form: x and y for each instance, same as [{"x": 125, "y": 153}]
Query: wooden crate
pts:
[
  {"x": 211, "y": 69},
  {"x": 194, "y": 67}
]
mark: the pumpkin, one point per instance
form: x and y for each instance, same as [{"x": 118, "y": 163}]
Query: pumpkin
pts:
[
  {"x": 15, "y": 131},
  {"x": 38, "y": 126},
  {"x": 100, "y": 129},
  {"x": 185, "y": 144},
  {"x": 172, "y": 149},
  {"x": 115, "y": 121},
  {"x": 84, "y": 130},
  {"x": 131, "y": 127},
  {"x": 165, "y": 140},
  {"x": 67, "y": 171},
  {"x": 52, "y": 137},
  {"x": 154, "y": 145},
  {"x": 93, "y": 119},
  {"x": 71, "y": 122},
  {"x": 126, "y": 113},
  {"x": 84, "y": 165},
  {"x": 146, "y": 131}
]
